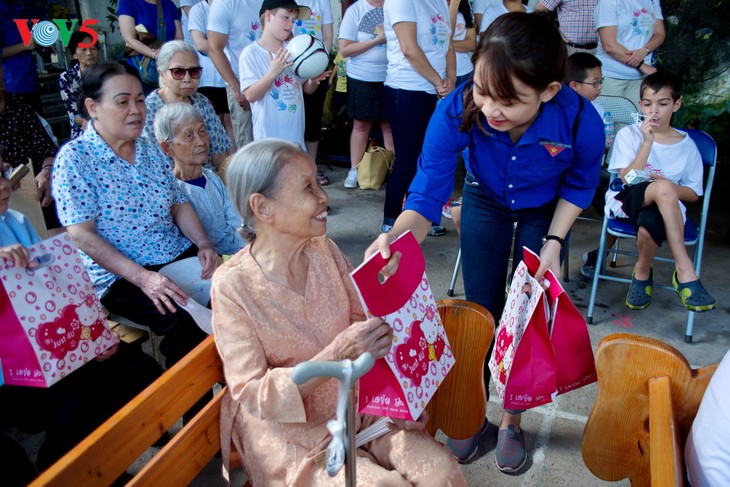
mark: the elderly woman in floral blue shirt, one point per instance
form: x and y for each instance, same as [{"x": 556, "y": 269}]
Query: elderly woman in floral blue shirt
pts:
[
  {"x": 180, "y": 71},
  {"x": 117, "y": 196},
  {"x": 68, "y": 83}
]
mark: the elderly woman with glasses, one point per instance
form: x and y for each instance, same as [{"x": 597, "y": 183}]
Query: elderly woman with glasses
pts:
[
  {"x": 181, "y": 133},
  {"x": 117, "y": 197},
  {"x": 177, "y": 63}
]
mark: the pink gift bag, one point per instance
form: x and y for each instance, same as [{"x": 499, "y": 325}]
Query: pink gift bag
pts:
[
  {"x": 542, "y": 348},
  {"x": 401, "y": 384},
  {"x": 51, "y": 322}
]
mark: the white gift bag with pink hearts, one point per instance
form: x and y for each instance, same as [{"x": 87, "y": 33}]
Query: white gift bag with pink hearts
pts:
[{"x": 51, "y": 322}]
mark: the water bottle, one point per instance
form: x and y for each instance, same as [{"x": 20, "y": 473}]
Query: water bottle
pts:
[{"x": 608, "y": 129}]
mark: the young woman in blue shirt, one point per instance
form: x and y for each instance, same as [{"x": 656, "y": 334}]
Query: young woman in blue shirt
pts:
[{"x": 535, "y": 157}]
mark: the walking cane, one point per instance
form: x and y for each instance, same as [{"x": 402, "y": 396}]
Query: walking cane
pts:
[{"x": 347, "y": 372}]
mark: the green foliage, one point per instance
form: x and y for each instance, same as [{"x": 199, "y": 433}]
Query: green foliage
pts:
[
  {"x": 111, "y": 16},
  {"x": 696, "y": 50}
]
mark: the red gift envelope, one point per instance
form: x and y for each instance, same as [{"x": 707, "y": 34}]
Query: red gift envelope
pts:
[
  {"x": 401, "y": 384},
  {"x": 51, "y": 322}
]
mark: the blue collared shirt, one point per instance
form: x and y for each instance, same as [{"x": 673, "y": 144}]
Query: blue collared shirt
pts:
[
  {"x": 15, "y": 228},
  {"x": 130, "y": 203},
  {"x": 543, "y": 165}
]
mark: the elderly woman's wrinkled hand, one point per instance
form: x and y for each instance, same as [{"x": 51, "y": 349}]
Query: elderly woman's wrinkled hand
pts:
[
  {"x": 162, "y": 291},
  {"x": 210, "y": 260},
  {"x": 372, "y": 335},
  {"x": 404, "y": 424}
]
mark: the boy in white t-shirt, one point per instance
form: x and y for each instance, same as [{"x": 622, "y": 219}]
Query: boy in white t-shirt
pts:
[
  {"x": 655, "y": 207},
  {"x": 272, "y": 88}
]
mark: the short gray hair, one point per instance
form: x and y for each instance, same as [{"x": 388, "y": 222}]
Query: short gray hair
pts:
[
  {"x": 168, "y": 50},
  {"x": 171, "y": 116},
  {"x": 256, "y": 168}
]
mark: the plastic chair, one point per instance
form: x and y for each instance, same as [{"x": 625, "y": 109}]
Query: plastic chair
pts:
[
  {"x": 693, "y": 235},
  {"x": 458, "y": 407}
]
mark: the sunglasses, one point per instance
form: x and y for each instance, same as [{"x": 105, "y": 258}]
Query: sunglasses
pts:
[{"x": 179, "y": 73}]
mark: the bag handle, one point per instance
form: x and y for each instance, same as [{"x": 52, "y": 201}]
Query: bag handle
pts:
[
  {"x": 532, "y": 260},
  {"x": 383, "y": 298}
]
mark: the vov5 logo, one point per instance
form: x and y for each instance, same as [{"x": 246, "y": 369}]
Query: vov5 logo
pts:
[{"x": 45, "y": 33}]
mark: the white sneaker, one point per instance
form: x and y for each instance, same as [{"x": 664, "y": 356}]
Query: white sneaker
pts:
[{"x": 351, "y": 180}]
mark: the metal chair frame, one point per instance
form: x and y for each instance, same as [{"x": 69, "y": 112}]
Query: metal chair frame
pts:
[{"x": 708, "y": 152}]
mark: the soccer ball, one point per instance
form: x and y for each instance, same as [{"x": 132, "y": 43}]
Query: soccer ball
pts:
[{"x": 308, "y": 55}]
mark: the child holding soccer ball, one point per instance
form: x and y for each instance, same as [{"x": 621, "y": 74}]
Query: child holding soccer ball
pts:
[{"x": 267, "y": 80}]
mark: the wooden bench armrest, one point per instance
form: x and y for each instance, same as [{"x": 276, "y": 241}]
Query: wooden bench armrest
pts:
[
  {"x": 665, "y": 456},
  {"x": 107, "y": 452}
]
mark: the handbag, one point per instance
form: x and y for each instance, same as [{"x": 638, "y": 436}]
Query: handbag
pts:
[
  {"x": 374, "y": 167},
  {"x": 51, "y": 321},
  {"x": 401, "y": 384},
  {"x": 145, "y": 65},
  {"x": 542, "y": 348}
]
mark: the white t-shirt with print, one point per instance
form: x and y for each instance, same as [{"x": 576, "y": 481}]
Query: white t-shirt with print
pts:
[
  {"x": 239, "y": 20},
  {"x": 363, "y": 22},
  {"x": 680, "y": 163},
  {"x": 198, "y": 20},
  {"x": 463, "y": 59},
  {"x": 321, "y": 15},
  {"x": 634, "y": 21},
  {"x": 280, "y": 112},
  {"x": 433, "y": 34}
]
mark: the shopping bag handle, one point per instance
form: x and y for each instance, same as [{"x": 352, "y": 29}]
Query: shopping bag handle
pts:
[
  {"x": 383, "y": 298},
  {"x": 532, "y": 260}
]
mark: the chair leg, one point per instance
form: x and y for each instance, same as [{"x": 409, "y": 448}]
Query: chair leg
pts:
[
  {"x": 615, "y": 254},
  {"x": 457, "y": 266},
  {"x": 600, "y": 267}
]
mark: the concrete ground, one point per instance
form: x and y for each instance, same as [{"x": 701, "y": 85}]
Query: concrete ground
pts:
[{"x": 553, "y": 432}]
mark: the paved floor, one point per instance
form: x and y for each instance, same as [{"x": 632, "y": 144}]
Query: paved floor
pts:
[{"x": 553, "y": 432}]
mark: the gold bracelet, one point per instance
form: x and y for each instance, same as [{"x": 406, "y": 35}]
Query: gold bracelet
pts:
[{"x": 647, "y": 50}]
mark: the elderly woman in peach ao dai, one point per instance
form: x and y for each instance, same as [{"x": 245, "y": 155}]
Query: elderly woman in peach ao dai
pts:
[{"x": 287, "y": 298}]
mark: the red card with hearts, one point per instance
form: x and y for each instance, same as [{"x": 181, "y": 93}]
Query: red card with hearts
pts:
[
  {"x": 401, "y": 384},
  {"x": 51, "y": 322}
]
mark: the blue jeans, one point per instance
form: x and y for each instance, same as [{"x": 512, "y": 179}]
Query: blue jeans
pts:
[
  {"x": 408, "y": 113},
  {"x": 486, "y": 241}
]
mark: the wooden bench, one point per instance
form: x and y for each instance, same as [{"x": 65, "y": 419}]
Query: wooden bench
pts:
[
  {"x": 107, "y": 453},
  {"x": 458, "y": 409},
  {"x": 648, "y": 396}
]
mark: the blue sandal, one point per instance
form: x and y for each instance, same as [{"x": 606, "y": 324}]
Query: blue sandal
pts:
[
  {"x": 693, "y": 295},
  {"x": 639, "y": 295}
]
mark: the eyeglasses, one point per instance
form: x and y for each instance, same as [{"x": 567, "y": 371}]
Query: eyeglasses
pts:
[
  {"x": 179, "y": 73},
  {"x": 595, "y": 84}
]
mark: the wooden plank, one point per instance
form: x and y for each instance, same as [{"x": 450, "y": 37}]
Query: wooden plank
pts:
[
  {"x": 665, "y": 453},
  {"x": 458, "y": 407},
  {"x": 129, "y": 334},
  {"x": 105, "y": 454},
  {"x": 180, "y": 461}
]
